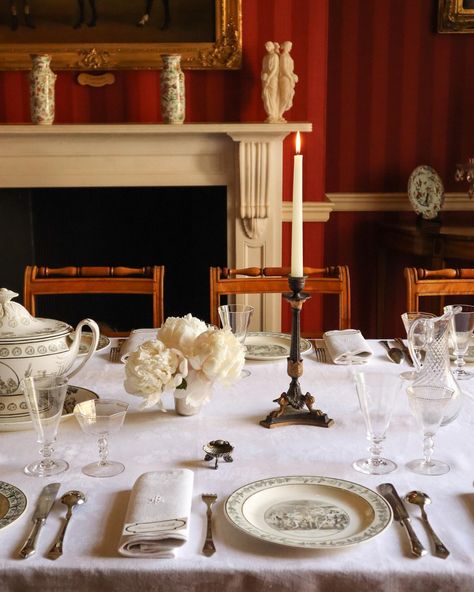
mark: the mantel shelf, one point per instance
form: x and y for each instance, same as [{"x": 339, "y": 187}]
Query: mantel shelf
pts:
[{"x": 263, "y": 129}]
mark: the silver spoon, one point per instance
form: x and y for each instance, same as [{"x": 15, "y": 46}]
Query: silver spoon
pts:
[
  {"x": 421, "y": 499},
  {"x": 71, "y": 499},
  {"x": 394, "y": 353}
]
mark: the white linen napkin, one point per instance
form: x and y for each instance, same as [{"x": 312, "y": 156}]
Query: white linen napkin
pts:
[
  {"x": 347, "y": 346},
  {"x": 157, "y": 519},
  {"x": 134, "y": 340}
]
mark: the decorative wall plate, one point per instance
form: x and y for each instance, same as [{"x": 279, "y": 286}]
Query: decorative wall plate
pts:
[
  {"x": 426, "y": 192},
  {"x": 74, "y": 395},
  {"x": 308, "y": 511},
  {"x": 13, "y": 503},
  {"x": 271, "y": 346}
]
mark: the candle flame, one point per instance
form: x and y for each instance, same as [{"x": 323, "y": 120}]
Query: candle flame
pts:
[{"x": 298, "y": 143}]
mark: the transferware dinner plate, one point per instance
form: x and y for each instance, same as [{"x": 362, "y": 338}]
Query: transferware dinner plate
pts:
[
  {"x": 12, "y": 503},
  {"x": 426, "y": 192},
  {"x": 86, "y": 338},
  {"x": 309, "y": 512},
  {"x": 271, "y": 346},
  {"x": 74, "y": 395}
]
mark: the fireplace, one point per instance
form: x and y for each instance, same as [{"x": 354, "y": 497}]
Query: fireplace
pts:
[
  {"x": 131, "y": 226},
  {"x": 245, "y": 159}
]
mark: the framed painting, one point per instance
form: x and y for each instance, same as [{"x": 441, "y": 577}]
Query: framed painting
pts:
[
  {"x": 456, "y": 16},
  {"x": 102, "y": 35}
]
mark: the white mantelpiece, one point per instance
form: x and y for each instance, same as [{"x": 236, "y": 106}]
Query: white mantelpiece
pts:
[{"x": 244, "y": 157}]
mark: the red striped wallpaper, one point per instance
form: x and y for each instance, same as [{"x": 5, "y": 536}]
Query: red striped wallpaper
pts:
[
  {"x": 383, "y": 90},
  {"x": 399, "y": 95}
]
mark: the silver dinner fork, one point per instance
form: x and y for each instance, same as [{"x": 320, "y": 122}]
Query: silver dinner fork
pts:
[
  {"x": 320, "y": 353},
  {"x": 114, "y": 353},
  {"x": 209, "y": 547}
]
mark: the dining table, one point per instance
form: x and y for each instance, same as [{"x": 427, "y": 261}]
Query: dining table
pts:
[{"x": 155, "y": 440}]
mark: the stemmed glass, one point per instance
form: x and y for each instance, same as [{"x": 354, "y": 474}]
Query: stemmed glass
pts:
[
  {"x": 377, "y": 393},
  {"x": 237, "y": 317},
  {"x": 44, "y": 397},
  {"x": 101, "y": 417},
  {"x": 428, "y": 404},
  {"x": 462, "y": 326},
  {"x": 418, "y": 340}
]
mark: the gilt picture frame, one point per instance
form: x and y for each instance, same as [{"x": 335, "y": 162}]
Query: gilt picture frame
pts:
[
  {"x": 120, "y": 34},
  {"x": 456, "y": 16}
]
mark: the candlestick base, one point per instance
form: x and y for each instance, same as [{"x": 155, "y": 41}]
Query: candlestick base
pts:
[
  {"x": 287, "y": 415},
  {"x": 292, "y": 404}
]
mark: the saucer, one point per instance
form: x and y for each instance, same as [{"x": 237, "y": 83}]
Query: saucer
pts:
[{"x": 74, "y": 395}]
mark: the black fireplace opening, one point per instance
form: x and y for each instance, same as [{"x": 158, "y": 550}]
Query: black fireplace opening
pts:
[{"x": 182, "y": 228}]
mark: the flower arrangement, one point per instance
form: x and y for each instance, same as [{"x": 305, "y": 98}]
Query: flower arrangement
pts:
[{"x": 187, "y": 358}]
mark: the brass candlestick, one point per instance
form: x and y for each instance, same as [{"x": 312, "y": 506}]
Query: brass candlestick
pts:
[{"x": 294, "y": 407}]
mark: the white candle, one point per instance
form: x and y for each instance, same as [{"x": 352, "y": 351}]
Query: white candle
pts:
[{"x": 297, "y": 221}]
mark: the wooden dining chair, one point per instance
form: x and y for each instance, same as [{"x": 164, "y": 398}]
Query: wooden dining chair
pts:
[
  {"x": 254, "y": 280},
  {"x": 442, "y": 283},
  {"x": 43, "y": 281}
]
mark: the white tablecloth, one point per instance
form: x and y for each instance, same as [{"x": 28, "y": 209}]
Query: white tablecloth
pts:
[{"x": 151, "y": 440}]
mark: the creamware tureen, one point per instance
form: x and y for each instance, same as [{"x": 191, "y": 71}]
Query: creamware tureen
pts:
[{"x": 31, "y": 346}]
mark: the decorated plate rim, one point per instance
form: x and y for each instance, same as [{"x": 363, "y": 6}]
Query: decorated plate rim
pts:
[
  {"x": 383, "y": 514},
  {"x": 305, "y": 345},
  {"x": 13, "y": 513},
  {"x": 103, "y": 343},
  {"x": 18, "y": 426}
]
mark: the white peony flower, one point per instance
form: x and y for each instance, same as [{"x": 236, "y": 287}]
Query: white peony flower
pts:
[
  {"x": 218, "y": 356},
  {"x": 152, "y": 369},
  {"x": 181, "y": 332},
  {"x": 187, "y": 358}
]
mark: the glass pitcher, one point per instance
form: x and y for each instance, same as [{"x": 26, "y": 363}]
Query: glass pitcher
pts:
[{"x": 436, "y": 367}]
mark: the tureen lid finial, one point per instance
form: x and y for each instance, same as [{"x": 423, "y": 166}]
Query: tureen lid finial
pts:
[
  {"x": 17, "y": 323},
  {"x": 5, "y": 296}
]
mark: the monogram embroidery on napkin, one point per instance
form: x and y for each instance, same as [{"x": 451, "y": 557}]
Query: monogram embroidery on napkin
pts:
[{"x": 156, "y": 499}]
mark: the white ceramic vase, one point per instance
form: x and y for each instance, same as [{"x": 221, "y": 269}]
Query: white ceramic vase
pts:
[
  {"x": 172, "y": 89},
  {"x": 42, "y": 80},
  {"x": 183, "y": 408}
]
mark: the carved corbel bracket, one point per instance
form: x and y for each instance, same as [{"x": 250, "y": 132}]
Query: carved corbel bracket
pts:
[
  {"x": 255, "y": 227},
  {"x": 254, "y": 173}
]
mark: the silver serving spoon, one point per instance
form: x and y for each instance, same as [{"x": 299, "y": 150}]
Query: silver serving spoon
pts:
[
  {"x": 71, "y": 499},
  {"x": 421, "y": 499},
  {"x": 394, "y": 353}
]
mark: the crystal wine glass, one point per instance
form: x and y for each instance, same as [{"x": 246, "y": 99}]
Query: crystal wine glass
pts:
[
  {"x": 237, "y": 317},
  {"x": 418, "y": 341},
  {"x": 377, "y": 393},
  {"x": 428, "y": 404},
  {"x": 462, "y": 326},
  {"x": 101, "y": 417},
  {"x": 45, "y": 400}
]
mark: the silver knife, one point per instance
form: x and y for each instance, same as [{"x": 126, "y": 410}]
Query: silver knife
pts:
[
  {"x": 405, "y": 349},
  {"x": 43, "y": 507},
  {"x": 401, "y": 515}
]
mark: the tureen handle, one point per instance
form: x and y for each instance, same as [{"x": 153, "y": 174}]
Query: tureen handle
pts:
[{"x": 77, "y": 339}]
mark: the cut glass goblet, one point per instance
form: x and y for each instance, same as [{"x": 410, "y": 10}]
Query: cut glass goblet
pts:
[
  {"x": 44, "y": 397},
  {"x": 101, "y": 417},
  {"x": 377, "y": 393},
  {"x": 462, "y": 326},
  {"x": 428, "y": 404},
  {"x": 236, "y": 317}
]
